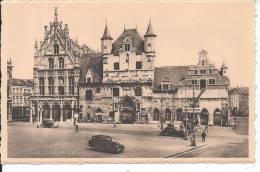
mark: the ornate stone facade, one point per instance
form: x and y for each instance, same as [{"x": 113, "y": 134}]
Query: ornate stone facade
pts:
[{"x": 121, "y": 84}]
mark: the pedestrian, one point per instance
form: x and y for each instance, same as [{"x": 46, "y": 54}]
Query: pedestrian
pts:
[
  {"x": 203, "y": 136},
  {"x": 76, "y": 126},
  {"x": 33, "y": 119},
  {"x": 206, "y": 129}
]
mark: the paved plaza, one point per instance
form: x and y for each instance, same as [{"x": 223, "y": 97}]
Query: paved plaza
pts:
[{"x": 141, "y": 141}]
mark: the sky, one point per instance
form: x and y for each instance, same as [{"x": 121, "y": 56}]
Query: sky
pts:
[{"x": 225, "y": 30}]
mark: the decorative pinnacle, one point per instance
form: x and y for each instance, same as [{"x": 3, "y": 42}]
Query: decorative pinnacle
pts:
[{"x": 56, "y": 14}]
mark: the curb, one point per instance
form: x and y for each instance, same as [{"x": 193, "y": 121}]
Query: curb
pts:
[{"x": 186, "y": 151}]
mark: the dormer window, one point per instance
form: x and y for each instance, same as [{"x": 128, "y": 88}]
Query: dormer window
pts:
[{"x": 127, "y": 47}]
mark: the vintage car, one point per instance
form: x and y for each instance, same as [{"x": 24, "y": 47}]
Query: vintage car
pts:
[
  {"x": 172, "y": 131},
  {"x": 49, "y": 123},
  {"x": 105, "y": 144}
]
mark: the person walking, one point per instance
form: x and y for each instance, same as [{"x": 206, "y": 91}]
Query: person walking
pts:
[
  {"x": 76, "y": 126},
  {"x": 203, "y": 136}
]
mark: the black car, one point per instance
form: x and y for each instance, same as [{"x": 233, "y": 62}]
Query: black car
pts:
[
  {"x": 172, "y": 131},
  {"x": 105, "y": 143},
  {"x": 49, "y": 123}
]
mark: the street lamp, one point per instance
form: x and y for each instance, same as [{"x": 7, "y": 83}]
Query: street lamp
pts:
[{"x": 161, "y": 115}]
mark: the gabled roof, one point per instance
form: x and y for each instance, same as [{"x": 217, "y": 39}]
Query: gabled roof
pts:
[
  {"x": 239, "y": 90},
  {"x": 137, "y": 41},
  {"x": 22, "y": 82},
  {"x": 174, "y": 73},
  {"x": 93, "y": 61}
]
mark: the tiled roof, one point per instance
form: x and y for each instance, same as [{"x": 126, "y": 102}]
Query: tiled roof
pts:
[
  {"x": 94, "y": 62},
  {"x": 174, "y": 73},
  {"x": 22, "y": 82},
  {"x": 239, "y": 90},
  {"x": 137, "y": 41}
]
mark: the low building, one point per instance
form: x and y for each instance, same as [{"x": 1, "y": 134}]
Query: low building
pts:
[
  {"x": 238, "y": 101},
  {"x": 22, "y": 90}
]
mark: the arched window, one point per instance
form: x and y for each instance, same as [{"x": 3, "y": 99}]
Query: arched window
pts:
[
  {"x": 88, "y": 95},
  {"x": 71, "y": 85},
  {"x": 51, "y": 63},
  {"x": 61, "y": 63},
  {"x": 168, "y": 116},
  {"x": 51, "y": 85},
  {"x": 41, "y": 86},
  {"x": 61, "y": 86},
  {"x": 56, "y": 48},
  {"x": 156, "y": 114}
]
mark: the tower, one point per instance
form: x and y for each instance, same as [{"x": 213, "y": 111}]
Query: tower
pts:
[
  {"x": 149, "y": 41},
  {"x": 106, "y": 41},
  {"x": 224, "y": 70}
]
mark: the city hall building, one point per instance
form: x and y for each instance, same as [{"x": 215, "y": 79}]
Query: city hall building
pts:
[{"x": 121, "y": 83}]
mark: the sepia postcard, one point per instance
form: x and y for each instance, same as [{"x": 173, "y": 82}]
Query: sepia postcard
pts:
[{"x": 127, "y": 82}]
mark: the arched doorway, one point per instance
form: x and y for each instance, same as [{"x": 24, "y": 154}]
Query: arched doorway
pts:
[
  {"x": 179, "y": 114},
  {"x": 45, "y": 111},
  {"x": 128, "y": 111},
  {"x": 168, "y": 115},
  {"x": 156, "y": 114},
  {"x": 67, "y": 111},
  {"x": 217, "y": 117},
  {"x": 56, "y": 111},
  {"x": 204, "y": 117}
]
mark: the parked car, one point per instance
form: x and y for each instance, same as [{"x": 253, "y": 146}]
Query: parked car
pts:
[
  {"x": 105, "y": 143},
  {"x": 49, "y": 123},
  {"x": 172, "y": 131}
]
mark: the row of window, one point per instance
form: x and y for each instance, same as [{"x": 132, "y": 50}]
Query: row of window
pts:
[
  {"x": 138, "y": 65},
  {"x": 115, "y": 93},
  {"x": 196, "y": 82},
  {"x": 60, "y": 87},
  {"x": 21, "y": 90},
  {"x": 201, "y": 72},
  {"x": 51, "y": 63}
]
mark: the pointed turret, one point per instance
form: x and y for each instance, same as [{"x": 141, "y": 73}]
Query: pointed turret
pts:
[
  {"x": 149, "y": 31},
  {"x": 149, "y": 40},
  {"x": 224, "y": 70},
  {"x": 106, "y": 35},
  {"x": 106, "y": 41}
]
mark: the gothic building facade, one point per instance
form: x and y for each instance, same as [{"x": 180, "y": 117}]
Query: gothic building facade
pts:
[
  {"x": 56, "y": 73},
  {"x": 121, "y": 83}
]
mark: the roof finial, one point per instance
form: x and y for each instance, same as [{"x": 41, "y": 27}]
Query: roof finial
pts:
[
  {"x": 56, "y": 14},
  {"x": 124, "y": 27}
]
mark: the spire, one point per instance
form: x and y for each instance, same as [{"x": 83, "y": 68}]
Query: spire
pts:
[
  {"x": 106, "y": 35},
  {"x": 149, "y": 31},
  {"x": 56, "y": 14}
]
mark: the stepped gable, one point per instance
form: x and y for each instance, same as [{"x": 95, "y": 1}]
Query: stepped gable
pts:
[
  {"x": 93, "y": 61},
  {"x": 137, "y": 42}
]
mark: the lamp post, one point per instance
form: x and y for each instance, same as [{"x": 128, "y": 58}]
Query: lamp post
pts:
[{"x": 161, "y": 115}]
